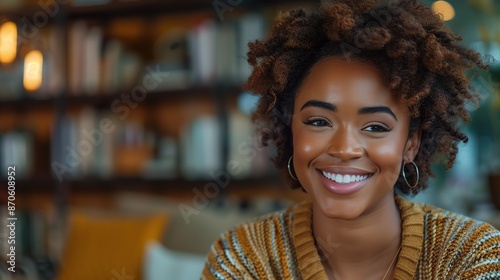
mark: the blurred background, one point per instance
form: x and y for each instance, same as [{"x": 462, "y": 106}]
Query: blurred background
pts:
[{"x": 132, "y": 140}]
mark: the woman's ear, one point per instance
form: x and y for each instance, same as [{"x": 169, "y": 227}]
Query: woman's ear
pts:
[{"x": 412, "y": 146}]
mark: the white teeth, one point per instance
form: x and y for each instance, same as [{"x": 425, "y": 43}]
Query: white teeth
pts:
[
  {"x": 344, "y": 179},
  {"x": 339, "y": 178}
]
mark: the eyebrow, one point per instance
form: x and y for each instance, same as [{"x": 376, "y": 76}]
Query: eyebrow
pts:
[
  {"x": 361, "y": 111},
  {"x": 320, "y": 104},
  {"x": 377, "y": 109}
]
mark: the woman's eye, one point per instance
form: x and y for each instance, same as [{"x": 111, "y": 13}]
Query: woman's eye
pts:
[
  {"x": 376, "y": 128},
  {"x": 317, "y": 122}
]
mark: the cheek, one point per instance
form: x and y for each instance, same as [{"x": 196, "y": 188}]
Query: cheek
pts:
[
  {"x": 306, "y": 146},
  {"x": 303, "y": 144},
  {"x": 387, "y": 155}
]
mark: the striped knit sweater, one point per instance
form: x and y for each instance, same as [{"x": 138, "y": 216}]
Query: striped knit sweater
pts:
[{"x": 436, "y": 244}]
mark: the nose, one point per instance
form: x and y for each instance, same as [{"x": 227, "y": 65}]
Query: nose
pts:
[{"x": 345, "y": 145}]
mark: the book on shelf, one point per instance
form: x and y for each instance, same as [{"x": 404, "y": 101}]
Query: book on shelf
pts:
[
  {"x": 103, "y": 156},
  {"x": 242, "y": 152},
  {"x": 201, "y": 40},
  {"x": 250, "y": 27},
  {"x": 16, "y": 149},
  {"x": 64, "y": 160},
  {"x": 87, "y": 140},
  {"x": 85, "y": 43},
  {"x": 227, "y": 53},
  {"x": 110, "y": 81},
  {"x": 128, "y": 68},
  {"x": 201, "y": 148},
  {"x": 53, "y": 75},
  {"x": 92, "y": 60},
  {"x": 76, "y": 37},
  {"x": 11, "y": 79}
]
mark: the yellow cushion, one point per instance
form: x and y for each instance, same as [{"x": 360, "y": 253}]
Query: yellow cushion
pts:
[{"x": 108, "y": 248}]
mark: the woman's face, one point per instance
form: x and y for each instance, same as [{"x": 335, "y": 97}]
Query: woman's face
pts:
[{"x": 350, "y": 137}]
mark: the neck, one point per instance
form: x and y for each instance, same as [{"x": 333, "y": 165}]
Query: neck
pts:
[{"x": 370, "y": 241}]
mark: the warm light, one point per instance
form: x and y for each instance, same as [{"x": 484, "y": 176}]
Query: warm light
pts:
[
  {"x": 8, "y": 42},
  {"x": 33, "y": 64},
  {"x": 444, "y": 10}
]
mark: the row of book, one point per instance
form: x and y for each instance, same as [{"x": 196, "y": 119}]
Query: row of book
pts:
[
  {"x": 99, "y": 144},
  {"x": 195, "y": 52},
  {"x": 109, "y": 58},
  {"x": 96, "y": 143},
  {"x": 202, "y": 146}
]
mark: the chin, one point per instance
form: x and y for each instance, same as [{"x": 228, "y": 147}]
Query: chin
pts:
[{"x": 347, "y": 209}]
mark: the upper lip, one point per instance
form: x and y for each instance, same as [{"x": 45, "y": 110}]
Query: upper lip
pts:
[{"x": 345, "y": 170}]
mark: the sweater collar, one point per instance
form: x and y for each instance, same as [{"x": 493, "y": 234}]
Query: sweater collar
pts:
[{"x": 309, "y": 261}]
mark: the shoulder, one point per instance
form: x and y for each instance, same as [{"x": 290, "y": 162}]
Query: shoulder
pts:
[
  {"x": 255, "y": 249},
  {"x": 261, "y": 227},
  {"x": 459, "y": 246},
  {"x": 456, "y": 225},
  {"x": 443, "y": 221},
  {"x": 471, "y": 247},
  {"x": 449, "y": 225}
]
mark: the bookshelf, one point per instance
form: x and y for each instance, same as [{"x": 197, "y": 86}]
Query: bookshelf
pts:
[
  {"x": 184, "y": 121},
  {"x": 68, "y": 98}
]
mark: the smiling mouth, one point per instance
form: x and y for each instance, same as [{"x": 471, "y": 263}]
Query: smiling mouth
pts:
[{"x": 345, "y": 178}]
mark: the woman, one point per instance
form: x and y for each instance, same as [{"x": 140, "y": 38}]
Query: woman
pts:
[{"x": 360, "y": 100}]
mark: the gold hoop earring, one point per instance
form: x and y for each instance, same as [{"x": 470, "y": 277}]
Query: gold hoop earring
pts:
[
  {"x": 416, "y": 170},
  {"x": 290, "y": 170}
]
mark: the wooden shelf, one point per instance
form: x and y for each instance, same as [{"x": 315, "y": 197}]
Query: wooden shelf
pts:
[
  {"x": 116, "y": 9},
  {"x": 124, "y": 8},
  {"x": 102, "y": 99},
  {"x": 29, "y": 184},
  {"x": 27, "y": 102},
  {"x": 139, "y": 7},
  {"x": 138, "y": 183},
  {"x": 154, "y": 96},
  {"x": 132, "y": 183}
]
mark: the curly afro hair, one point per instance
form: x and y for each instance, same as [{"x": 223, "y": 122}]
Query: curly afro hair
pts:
[{"x": 422, "y": 63}]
